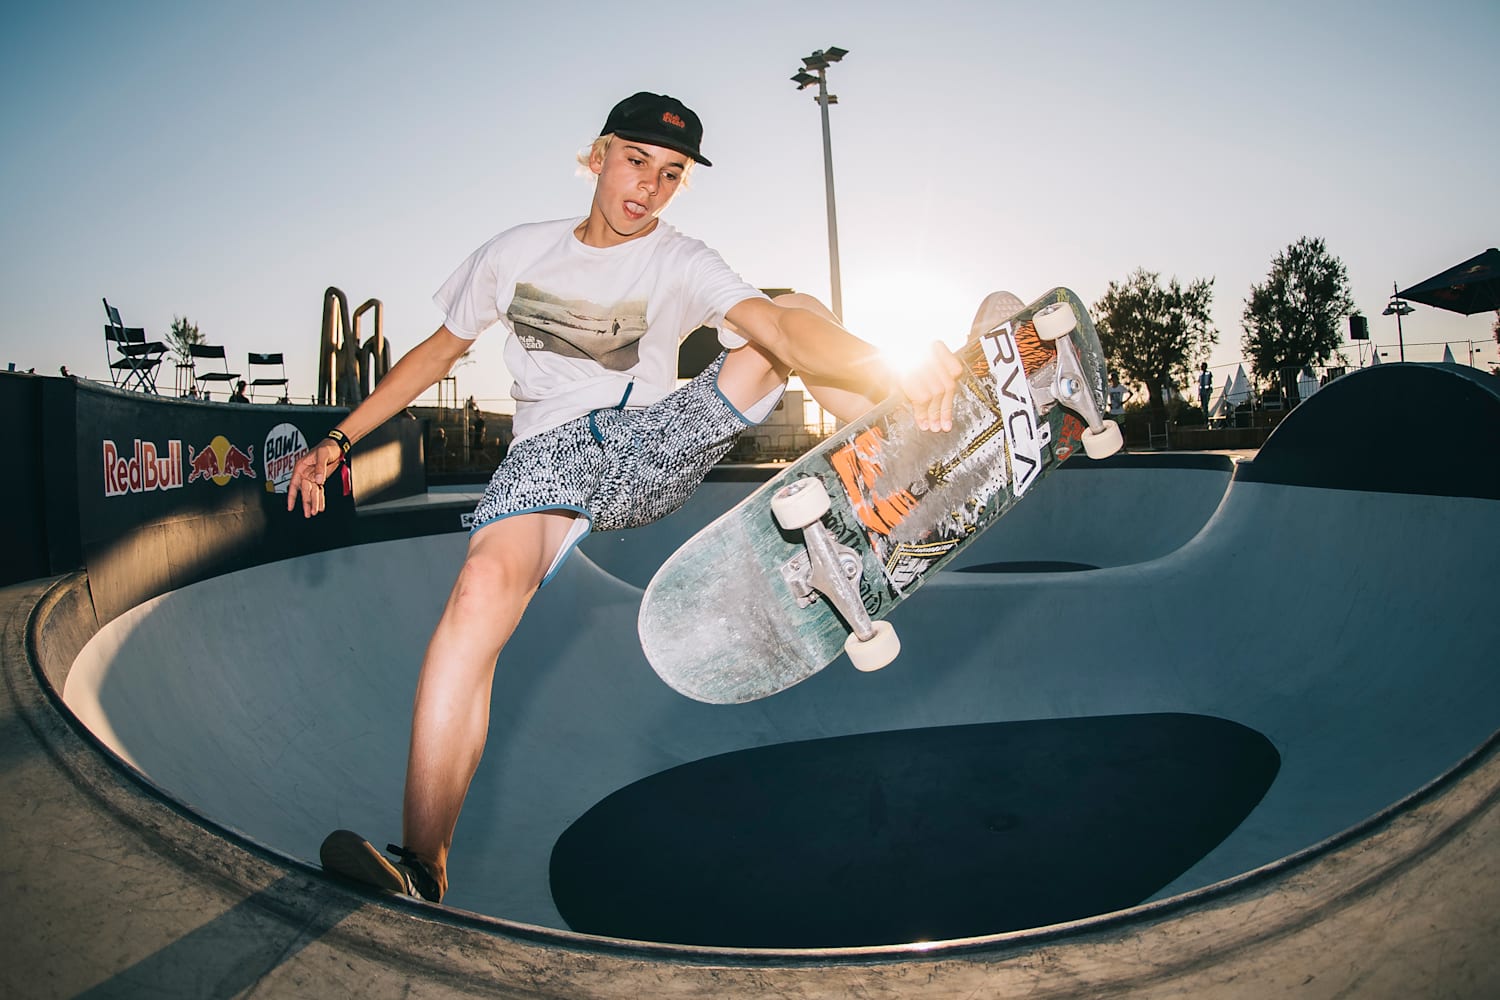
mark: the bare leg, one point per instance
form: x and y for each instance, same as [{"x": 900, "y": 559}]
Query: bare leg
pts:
[{"x": 506, "y": 563}]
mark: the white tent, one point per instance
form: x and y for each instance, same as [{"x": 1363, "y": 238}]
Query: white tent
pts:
[
  {"x": 1448, "y": 356},
  {"x": 1239, "y": 388},
  {"x": 1234, "y": 391},
  {"x": 1307, "y": 383}
]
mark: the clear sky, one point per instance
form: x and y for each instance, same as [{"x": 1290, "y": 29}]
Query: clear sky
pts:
[{"x": 228, "y": 162}]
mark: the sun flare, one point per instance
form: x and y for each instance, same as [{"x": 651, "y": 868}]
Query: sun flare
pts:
[{"x": 904, "y": 314}]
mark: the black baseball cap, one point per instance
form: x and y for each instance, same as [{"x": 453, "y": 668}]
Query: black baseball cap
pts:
[{"x": 659, "y": 120}]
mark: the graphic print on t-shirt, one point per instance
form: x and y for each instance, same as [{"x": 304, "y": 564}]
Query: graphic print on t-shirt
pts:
[{"x": 576, "y": 328}]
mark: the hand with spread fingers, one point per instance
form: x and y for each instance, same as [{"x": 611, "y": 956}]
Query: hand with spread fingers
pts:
[
  {"x": 931, "y": 388},
  {"x": 309, "y": 475}
]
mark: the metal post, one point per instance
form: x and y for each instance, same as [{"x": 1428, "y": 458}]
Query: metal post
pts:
[
  {"x": 818, "y": 63},
  {"x": 1399, "y": 307},
  {"x": 1400, "y": 334},
  {"x": 836, "y": 285}
]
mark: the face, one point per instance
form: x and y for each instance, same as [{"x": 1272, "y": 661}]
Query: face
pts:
[{"x": 636, "y": 182}]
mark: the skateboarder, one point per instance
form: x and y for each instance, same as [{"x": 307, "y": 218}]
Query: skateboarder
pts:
[{"x": 602, "y": 439}]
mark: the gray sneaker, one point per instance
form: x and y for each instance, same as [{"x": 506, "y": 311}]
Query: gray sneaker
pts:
[{"x": 346, "y": 853}]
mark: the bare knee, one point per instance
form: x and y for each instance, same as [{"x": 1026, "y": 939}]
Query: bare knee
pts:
[
  {"x": 801, "y": 300},
  {"x": 486, "y": 583},
  {"x": 749, "y": 375},
  {"x": 504, "y": 567}
]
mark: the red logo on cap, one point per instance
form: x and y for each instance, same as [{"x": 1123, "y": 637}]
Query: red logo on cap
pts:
[{"x": 672, "y": 119}]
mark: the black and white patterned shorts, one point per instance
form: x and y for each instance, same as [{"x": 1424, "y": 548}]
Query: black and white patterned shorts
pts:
[{"x": 618, "y": 468}]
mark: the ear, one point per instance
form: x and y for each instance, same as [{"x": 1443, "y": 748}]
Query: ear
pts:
[{"x": 596, "y": 161}]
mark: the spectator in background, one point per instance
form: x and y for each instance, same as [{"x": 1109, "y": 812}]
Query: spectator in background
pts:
[
  {"x": 1118, "y": 394},
  {"x": 239, "y": 393},
  {"x": 1205, "y": 386}
]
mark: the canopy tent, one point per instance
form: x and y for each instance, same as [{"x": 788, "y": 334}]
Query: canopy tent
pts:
[
  {"x": 1448, "y": 355},
  {"x": 1307, "y": 382},
  {"x": 1468, "y": 288},
  {"x": 1239, "y": 388},
  {"x": 1233, "y": 392}
]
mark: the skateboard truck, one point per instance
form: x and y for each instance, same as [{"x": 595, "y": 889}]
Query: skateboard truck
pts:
[
  {"x": 831, "y": 569},
  {"x": 1070, "y": 385}
]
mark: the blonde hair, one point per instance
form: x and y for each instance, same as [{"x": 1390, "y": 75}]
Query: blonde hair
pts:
[{"x": 601, "y": 146}]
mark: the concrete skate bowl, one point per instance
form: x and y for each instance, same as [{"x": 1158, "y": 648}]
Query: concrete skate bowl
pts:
[{"x": 1259, "y": 753}]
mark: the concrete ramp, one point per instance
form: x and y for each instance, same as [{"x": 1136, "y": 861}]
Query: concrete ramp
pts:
[{"x": 1349, "y": 621}]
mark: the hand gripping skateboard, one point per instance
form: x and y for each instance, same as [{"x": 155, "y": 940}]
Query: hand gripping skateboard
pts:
[{"x": 810, "y": 564}]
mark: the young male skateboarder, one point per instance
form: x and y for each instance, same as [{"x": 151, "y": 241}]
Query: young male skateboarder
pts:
[{"x": 594, "y": 309}]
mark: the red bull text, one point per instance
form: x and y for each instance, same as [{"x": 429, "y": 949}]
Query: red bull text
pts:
[{"x": 143, "y": 469}]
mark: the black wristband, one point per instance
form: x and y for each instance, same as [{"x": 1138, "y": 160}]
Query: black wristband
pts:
[{"x": 341, "y": 439}]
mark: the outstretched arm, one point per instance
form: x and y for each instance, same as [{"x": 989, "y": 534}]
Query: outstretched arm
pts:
[
  {"x": 419, "y": 368},
  {"x": 845, "y": 374}
]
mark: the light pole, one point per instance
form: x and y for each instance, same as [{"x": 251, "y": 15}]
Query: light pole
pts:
[
  {"x": 818, "y": 62},
  {"x": 1399, "y": 307}
]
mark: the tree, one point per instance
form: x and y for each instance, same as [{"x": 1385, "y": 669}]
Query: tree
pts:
[
  {"x": 1153, "y": 333},
  {"x": 1295, "y": 318},
  {"x": 183, "y": 335}
]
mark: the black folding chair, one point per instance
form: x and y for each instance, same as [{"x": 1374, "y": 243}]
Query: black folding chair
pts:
[
  {"x": 266, "y": 361},
  {"x": 207, "y": 352},
  {"x": 133, "y": 360}
]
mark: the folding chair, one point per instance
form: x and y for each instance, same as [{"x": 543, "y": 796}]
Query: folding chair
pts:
[
  {"x": 207, "y": 352},
  {"x": 266, "y": 361},
  {"x": 133, "y": 361}
]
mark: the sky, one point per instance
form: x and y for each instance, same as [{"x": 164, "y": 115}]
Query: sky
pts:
[{"x": 227, "y": 162}]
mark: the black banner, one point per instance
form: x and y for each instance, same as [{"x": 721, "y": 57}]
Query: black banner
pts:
[{"x": 150, "y": 493}]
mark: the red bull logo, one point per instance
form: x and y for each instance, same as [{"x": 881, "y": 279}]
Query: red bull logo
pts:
[
  {"x": 220, "y": 461},
  {"x": 143, "y": 469}
]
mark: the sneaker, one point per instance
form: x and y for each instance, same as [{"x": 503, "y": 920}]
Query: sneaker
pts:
[{"x": 348, "y": 854}]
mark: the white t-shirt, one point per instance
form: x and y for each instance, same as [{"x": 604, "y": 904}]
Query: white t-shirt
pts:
[{"x": 590, "y": 327}]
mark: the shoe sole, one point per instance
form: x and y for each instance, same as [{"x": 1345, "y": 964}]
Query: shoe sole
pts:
[{"x": 348, "y": 854}]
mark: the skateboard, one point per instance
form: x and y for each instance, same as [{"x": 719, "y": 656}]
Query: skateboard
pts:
[{"x": 810, "y": 564}]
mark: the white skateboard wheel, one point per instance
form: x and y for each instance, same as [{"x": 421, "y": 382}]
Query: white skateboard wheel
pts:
[
  {"x": 876, "y": 651},
  {"x": 1103, "y": 443},
  {"x": 799, "y": 504},
  {"x": 1054, "y": 321}
]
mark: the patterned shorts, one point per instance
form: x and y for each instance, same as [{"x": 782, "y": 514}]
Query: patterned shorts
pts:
[{"x": 618, "y": 468}]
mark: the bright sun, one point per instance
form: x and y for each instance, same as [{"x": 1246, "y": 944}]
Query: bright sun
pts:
[{"x": 902, "y": 314}]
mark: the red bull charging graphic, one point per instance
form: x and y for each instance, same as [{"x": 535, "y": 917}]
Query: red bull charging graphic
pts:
[{"x": 220, "y": 461}]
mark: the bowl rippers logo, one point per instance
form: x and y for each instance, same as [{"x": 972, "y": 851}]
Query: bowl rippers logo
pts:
[{"x": 283, "y": 447}]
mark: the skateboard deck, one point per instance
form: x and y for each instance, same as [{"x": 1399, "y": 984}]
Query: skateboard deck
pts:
[{"x": 775, "y": 589}]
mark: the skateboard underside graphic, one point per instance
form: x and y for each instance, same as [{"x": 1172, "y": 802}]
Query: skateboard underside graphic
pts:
[{"x": 811, "y": 563}]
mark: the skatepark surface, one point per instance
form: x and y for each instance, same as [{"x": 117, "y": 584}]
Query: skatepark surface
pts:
[{"x": 1313, "y": 632}]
